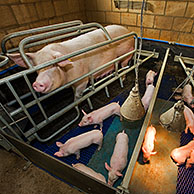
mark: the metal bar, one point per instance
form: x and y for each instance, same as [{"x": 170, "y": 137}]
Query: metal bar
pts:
[
  {"x": 51, "y": 39},
  {"x": 185, "y": 59},
  {"x": 9, "y": 127},
  {"x": 35, "y": 68},
  {"x": 61, "y": 129},
  {"x": 37, "y": 30},
  {"x": 35, "y": 97},
  {"x": 90, "y": 104},
  {"x": 53, "y": 33},
  {"x": 21, "y": 104},
  {"x": 13, "y": 121},
  {"x": 5, "y": 60},
  {"x": 57, "y": 90},
  {"x": 69, "y": 84},
  {"x": 185, "y": 68},
  {"x": 128, "y": 175},
  {"x": 72, "y": 105}
]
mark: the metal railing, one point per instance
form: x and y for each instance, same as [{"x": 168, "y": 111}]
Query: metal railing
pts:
[{"x": 23, "y": 108}]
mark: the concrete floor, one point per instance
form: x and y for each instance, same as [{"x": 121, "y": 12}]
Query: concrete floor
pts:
[{"x": 160, "y": 174}]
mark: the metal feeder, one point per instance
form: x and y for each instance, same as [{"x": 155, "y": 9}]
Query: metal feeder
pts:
[
  {"x": 174, "y": 119},
  {"x": 132, "y": 109}
]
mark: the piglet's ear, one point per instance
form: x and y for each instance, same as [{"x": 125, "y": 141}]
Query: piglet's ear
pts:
[
  {"x": 59, "y": 144},
  {"x": 90, "y": 119},
  {"x": 59, "y": 154},
  {"x": 153, "y": 153},
  {"x": 84, "y": 112},
  {"x": 62, "y": 63},
  {"x": 118, "y": 173},
  {"x": 107, "y": 166},
  {"x": 17, "y": 59}
]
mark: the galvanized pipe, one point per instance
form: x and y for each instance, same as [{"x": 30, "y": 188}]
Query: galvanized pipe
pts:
[
  {"x": 48, "y": 40},
  {"x": 37, "y": 30},
  {"x": 185, "y": 68},
  {"x": 4, "y": 61},
  {"x": 72, "y": 105},
  {"x": 130, "y": 168}
]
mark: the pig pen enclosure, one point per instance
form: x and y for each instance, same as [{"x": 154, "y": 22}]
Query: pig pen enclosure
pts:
[{"x": 31, "y": 123}]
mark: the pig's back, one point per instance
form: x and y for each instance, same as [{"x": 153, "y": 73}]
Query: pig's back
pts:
[{"x": 94, "y": 37}]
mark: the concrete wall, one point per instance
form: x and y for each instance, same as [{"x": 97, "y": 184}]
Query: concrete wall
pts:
[{"x": 170, "y": 20}]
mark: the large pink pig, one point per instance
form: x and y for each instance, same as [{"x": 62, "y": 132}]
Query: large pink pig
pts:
[
  {"x": 189, "y": 117},
  {"x": 150, "y": 77},
  {"x": 187, "y": 95},
  {"x": 89, "y": 171},
  {"x": 73, "y": 145},
  {"x": 147, "y": 96},
  {"x": 118, "y": 159},
  {"x": 148, "y": 144},
  {"x": 190, "y": 160},
  {"x": 63, "y": 72},
  {"x": 97, "y": 116},
  {"x": 181, "y": 154}
]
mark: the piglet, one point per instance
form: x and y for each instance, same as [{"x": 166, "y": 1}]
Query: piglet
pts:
[
  {"x": 73, "y": 145},
  {"x": 150, "y": 77},
  {"x": 190, "y": 160},
  {"x": 189, "y": 117},
  {"x": 147, "y": 96},
  {"x": 187, "y": 95},
  {"x": 148, "y": 143},
  {"x": 89, "y": 171},
  {"x": 118, "y": 159},
  {"x": 97, "y": 116},
  {"x": 181, "y": 154}
]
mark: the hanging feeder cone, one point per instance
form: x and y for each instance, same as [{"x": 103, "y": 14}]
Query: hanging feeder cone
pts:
[
  {"x": 132, "y": 109},
  {"x": 174, "y": 119}
]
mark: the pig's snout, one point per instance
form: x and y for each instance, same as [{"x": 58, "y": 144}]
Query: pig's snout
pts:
[{"x": 40, "y": 87}]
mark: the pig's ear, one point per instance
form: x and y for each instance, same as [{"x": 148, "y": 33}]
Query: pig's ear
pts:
[
  {"x": 19, "y": 60},
  {"x": 62, "y": 63},
  {"x": 59, "y": 144},
  {"x": 107, "y": 166},
  {"x": 118, "y": 173},
  {"x": 59, "y": 154},
  {"x": 84, "y": 112}
]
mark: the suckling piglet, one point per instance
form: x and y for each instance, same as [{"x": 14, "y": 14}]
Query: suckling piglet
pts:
[
  {"x": 187, "y": 95},
  {"x": 181, "y": 154},
  {"x": 150, "y": 77},
  {"x": 190, "y": 160},
  {"x": 74, "y": 144},
  {"x": 147, "y": 96},
  {"x": 89, "y": 171},
  {"x": 97, "y": 116},
  {"x": 148, "y": 143},
  {"x": 189, "y": 117},
  {"x": 118, "y": 159}
]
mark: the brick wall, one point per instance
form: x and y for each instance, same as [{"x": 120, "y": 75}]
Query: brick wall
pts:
[
  {"x": 170, "y": 20},
  {"x": 16, "y": 15}
]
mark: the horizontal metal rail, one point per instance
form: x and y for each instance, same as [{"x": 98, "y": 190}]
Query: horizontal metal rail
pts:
[
  {"x": 185, "y": 59},
  {"x": 54, "y": 33},
  {"x": 31, "y": 133},
  {"x": 37, "y": 30},
  {"x": 72, "y": 105},
  {"x": 130, "y": 168}
]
